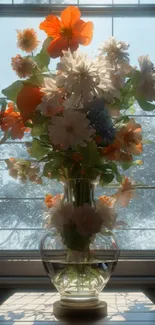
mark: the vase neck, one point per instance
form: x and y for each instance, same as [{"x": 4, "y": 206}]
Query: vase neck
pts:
[{"x": 79, "y": 191}]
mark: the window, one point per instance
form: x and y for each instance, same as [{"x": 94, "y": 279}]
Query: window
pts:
[{"x": 22, "y": 205}]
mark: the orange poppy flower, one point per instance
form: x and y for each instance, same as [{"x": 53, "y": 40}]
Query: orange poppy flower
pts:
[
  {"x": 114, "y": 152},
  {"x": 28, "y": 99},
  {"x": 130, "y": 137},
  {"x": 68, "y": 32},
  {"x": 12, "y": 121}
]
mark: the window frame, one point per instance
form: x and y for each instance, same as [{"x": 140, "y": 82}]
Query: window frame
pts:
[
  {"x": 111, "y": 10},
  {"x": 20, "y": 268}
]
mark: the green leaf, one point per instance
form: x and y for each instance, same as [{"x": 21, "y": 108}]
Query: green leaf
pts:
[
  {"x": 36, "y": 80},
  {"x": 50, "y": 168},
  {"x": 126, "y": 165},
  {"x": 106, "y": 178},
  {"x": 119, "y": 177},
  {"x": 12, "y": 91},
  {"x": 131, "y": 110},
  {"x": 38, "y": 151},
  {"x": 39, "y": 125},
  {"x": 113, "y": 166},
  {"x": 43, "y": 59},
  {"x": 122, "y": 119},
  {"x": 135, "y": 77},
  {"x": 146, "y": 106},
  {"x": 107, "y": 175},
  {"x": 37, "y": 130},
  {"x": 115, "y": 170},
  {"x": 45, "y": 139},
  {"x": 3, "y": 104},
  {"x": 90, "y": 154}
]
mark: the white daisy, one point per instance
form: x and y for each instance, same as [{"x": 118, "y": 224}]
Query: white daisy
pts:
[
  {"x": 79, "y": 75},
  {"x": 146, "y": 82},
  {"x": 51, "y": 101},
  {"x": 70, "y": 129}
]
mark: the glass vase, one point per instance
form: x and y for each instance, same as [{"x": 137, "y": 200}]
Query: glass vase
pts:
[{"x": 79, "y": 266}]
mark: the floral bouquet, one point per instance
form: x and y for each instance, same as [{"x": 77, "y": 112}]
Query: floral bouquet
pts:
[{"x": 78, "y": 120}]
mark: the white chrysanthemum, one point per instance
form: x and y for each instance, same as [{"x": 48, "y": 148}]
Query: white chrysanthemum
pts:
[
  {"x": 79, "y": 75},
  {"x": 115, "y": 75},
  {"x": 146, "y": 82},
  {"x": 70, "y": 129},
  {"x": 110, "y": 80},
  {"x": 115, "y": 51},
  {"x": 51, "y": 101},
  {"x": 104, "y": 71}
]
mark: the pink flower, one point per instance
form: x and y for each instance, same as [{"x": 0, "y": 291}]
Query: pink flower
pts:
[{"x": 87, "y": 220}]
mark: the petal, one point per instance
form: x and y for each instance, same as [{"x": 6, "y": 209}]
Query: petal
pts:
[
  {"x": 51, "y": 25},
  {"x": 83, "y": 32},
  {"x": 57, "y": 46},
  {"x": 73, "y": 45},
  {"x": 70, "y": 16},
  {"x": 28, "y": 99}
]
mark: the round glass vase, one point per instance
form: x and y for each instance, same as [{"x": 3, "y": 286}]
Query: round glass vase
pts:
[{"x": 78, "y": 268}]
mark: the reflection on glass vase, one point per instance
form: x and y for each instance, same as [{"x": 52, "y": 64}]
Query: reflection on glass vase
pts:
[{"x": 79, "y": 252}]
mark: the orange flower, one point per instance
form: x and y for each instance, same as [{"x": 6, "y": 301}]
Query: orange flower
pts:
[
  {"x": 125, "y": 193},
  {"x": 130, "y": 137},
  {"x": 28, "y": 99},
  {"x": 107, "y": 200},
  {"x": 12, "y": 121},
  {"x": 48, "y": 200},
  {"x": 51, "y": 201},
  {"x": 68, "y": 32},
  {"x": 27, "y": 40},
  {"x": 114, "y": 152}
]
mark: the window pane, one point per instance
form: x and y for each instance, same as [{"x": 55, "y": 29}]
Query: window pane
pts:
[
  {"x": 147, "y": 1},
  {"x": 26, "y": 217},
  {"x": 37, "y": 2},
  {"x": 139, "y": 33},
  {"x": 93, "y": 2},
  {"x": 9, "y": 48},
  {"x": 22, "y": 205},
  {"x": 125, "y": 2},
  {"x": 5, "y": 1}
]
